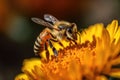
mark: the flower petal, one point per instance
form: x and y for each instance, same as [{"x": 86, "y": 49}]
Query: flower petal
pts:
[
  {"x": 21, "y": 76},
  {"x": 29, "y": 66},
  {"x": 115, "y": 73},
  {"x": 114, "y": 30},
  {"x": 94, "y": 30}
]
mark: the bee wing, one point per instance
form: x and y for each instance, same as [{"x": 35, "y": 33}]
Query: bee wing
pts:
[
  {"x": 41, "y": 22},
  {"x": 50, "y": 18}
]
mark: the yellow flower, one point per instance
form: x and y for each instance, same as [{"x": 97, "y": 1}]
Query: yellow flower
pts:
[{"x": 96, "y": 56}]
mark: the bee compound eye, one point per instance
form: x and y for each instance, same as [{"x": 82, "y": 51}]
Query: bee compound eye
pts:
[{"x": 69, "y": 30}]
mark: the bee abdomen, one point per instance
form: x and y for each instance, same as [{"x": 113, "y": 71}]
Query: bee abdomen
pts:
[{"x": 37, "y": 45}]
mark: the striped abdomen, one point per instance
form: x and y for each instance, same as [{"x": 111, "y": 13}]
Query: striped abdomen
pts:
[
  {"x": 37, "y": 45},
  {"x": 42, "y": 41}
]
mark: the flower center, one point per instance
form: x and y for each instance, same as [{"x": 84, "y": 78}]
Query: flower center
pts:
[{"x": 79, "y": 53}]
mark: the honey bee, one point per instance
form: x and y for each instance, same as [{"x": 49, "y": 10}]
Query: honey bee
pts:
[{"x": 55, "y": 31}]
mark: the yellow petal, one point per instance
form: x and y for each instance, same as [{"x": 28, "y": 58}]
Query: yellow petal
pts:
[
  {"x": 115, "y": 61},
  {"x": 94, "y": 30},
  {"x": 101, "y": 78},
  {"x": 21, "y": 77},
  {"x": 117, "y": 35},
  {"x": 29, "y": 65},
  {"x": 114, "y": 30},
  {"x": 115, "y": 73}
]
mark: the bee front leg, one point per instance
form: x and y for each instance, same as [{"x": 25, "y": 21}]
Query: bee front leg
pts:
[{"x": 55, "y": 40}]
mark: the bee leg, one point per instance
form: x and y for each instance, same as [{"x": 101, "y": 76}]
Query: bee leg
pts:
[
  {"x": 55, "y": 40},
  {"x": 75, "y": 42},
  {"x": 47, "y": 53},
  {"x": 55, "y": 51},
  {"x": 71, "y": 41},
  {"x": 53, "y": 48},
  {"x": 49, "y": 42}
]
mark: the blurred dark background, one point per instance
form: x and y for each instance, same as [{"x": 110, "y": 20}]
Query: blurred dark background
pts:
[{"x": 18, "y": 32}]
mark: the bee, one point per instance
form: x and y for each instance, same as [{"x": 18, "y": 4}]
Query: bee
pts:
[{"x": 55, "y": 31}]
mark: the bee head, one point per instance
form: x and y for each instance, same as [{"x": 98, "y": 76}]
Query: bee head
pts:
[{"x": 69, "y": 30}]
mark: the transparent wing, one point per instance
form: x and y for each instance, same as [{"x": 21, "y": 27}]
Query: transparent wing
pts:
[
  {"x": 50, "y": 18},
  {"x": 38, "y": 21},
  {"x": 41, "y": 22}
]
